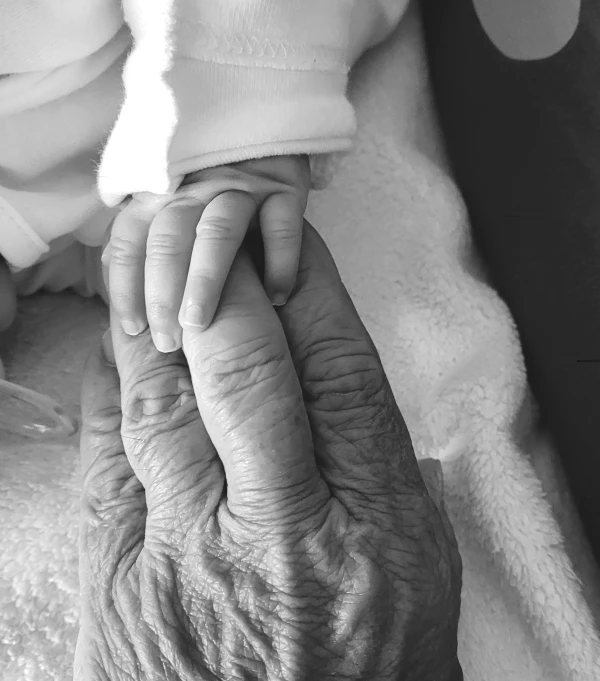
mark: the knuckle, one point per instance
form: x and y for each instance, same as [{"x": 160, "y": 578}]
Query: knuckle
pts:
[
  {"x": 157, "y": 399},
  {"x": 243, "y": 368},
  {"x": 124, "y": 250},
  {"x": 102, "y": 422},
  {"x": 108, "y": 486},
  {"x": 216, "y": 228},
  {"x": 350, "y": 377},
  {"x": 163, "y": 246},
  {"x": 286, "y": 227}
]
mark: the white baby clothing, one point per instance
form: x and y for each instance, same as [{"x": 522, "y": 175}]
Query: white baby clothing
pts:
[{"x": 101, "y": 99}]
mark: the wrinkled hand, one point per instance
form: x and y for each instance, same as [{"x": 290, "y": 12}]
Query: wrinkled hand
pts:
[
  {"x": 169, "y": 263},
  {"x": 272, "y": 527}
]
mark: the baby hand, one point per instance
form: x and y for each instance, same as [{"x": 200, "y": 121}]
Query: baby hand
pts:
[{"x": 168, "y": 263}]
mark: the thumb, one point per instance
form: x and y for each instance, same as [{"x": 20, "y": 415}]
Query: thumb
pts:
[
  {"x": 113, "y": 508},
  {"x": 100, "y": 405},
  {"x": 112, "y": 498}
]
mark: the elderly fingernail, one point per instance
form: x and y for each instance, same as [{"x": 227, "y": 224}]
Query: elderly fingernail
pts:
[
  {"x": 108, "y": 349},
  {"x": 132, "y": 328},
  {"x": 195, "y": 316},
  {"x": 164, "y": 343}
]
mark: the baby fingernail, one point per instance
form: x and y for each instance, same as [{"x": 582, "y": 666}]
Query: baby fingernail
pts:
[
  {"x": 194, "y": 316},
  {"x": 279, "y": 299},
  {"x": 132, "y": 328},
  {"x": 164, "y": 343}
]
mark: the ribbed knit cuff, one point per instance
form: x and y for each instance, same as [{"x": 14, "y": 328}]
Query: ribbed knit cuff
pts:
[{"x": 207, "y": 114}]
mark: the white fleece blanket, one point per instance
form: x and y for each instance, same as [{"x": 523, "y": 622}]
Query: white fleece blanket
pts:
[{"x": 399, "y": 233}]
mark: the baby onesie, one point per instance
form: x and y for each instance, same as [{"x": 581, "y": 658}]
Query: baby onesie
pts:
[{"x": 104, "y": 99}]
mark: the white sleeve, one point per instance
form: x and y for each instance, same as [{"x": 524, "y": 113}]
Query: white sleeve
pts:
[{"x": 210, "y": 82}]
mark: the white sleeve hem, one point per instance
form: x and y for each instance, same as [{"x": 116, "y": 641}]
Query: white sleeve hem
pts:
[
  {"x": 213, "y": 82},
  {"x": 218, "y": 114}
]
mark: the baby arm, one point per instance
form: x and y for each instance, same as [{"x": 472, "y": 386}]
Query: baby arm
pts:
[
  {"x": 168, "y": 271},
  {"x": 223, "y": 84}
]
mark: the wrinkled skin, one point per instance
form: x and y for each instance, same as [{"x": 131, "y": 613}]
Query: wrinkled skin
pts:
[{"x": 302, "y": 544}]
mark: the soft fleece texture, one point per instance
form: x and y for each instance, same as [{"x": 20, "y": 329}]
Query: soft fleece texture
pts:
[{"x": 400, "y": 236}]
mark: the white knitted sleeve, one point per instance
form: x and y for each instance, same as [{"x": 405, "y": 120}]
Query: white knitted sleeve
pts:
[{"x": 211, "y": 82}]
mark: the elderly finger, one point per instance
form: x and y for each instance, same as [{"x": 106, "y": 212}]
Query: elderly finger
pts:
[
  {"x": 362, "y": 444},
  {"x": 113, "y": 510},
  {"x": 164, "y": 438},
  {"x": 112, "y": 499},
  {"x": 168, "y": 253},
  {"x": 100, "y": 405},
  {"x": 281, "y": 223},
  {"x": 251, "y": 402},
  {"x": 219, "y": 235}
]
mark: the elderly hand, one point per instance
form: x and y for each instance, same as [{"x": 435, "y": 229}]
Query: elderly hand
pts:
[{"x": 271, "y": 522}]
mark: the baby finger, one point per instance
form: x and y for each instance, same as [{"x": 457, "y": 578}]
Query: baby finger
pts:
[
  {"x": 126, "y": 270},
  {"x": 281, "y": 224},
  {"x": 168, "y": 253},
  {"x": 219, "y": 235}
]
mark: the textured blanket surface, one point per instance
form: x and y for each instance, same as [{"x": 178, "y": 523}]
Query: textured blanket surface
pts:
[{"x": 399, "y": 233}]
